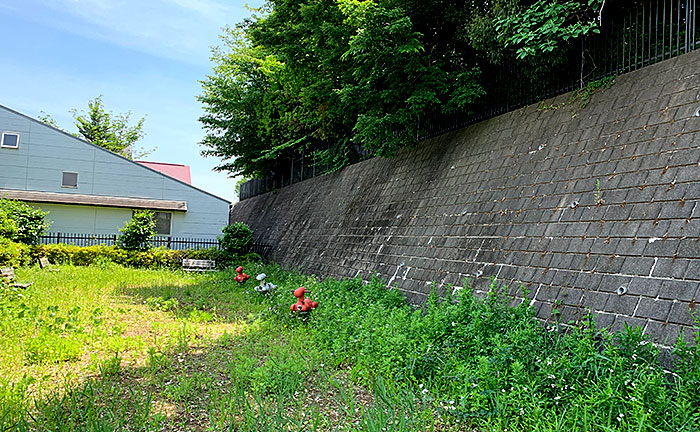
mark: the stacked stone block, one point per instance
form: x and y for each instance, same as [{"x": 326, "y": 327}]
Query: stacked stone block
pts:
[{"x": 574, "y": 209}]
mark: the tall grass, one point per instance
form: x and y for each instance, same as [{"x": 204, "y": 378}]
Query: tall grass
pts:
[
  {"x": 496, "y": 367},
  {"x": 108, "y": 348}
]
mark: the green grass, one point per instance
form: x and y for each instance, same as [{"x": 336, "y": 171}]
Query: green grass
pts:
[
  {"x": 110, "y": 348},
  {"x": 113, "y": 348}
]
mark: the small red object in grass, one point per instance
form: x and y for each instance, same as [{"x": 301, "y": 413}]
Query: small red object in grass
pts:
[
  {"x": 302, "y": 304},
  {"x": 241, "y": 277}
]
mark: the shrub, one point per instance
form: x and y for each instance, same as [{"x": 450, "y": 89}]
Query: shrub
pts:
[
  {"x": 137, "y": 233},
  {"x": 100, "y": 255},
  {"x": 13, "y": 254},
  {"x": 30, "y": 223},
  {"x": 237, "y": 238},
  {"x": 8, "y": 226}
]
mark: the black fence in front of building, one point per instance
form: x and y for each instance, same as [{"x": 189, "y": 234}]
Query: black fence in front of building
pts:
[
  {"x": 176, "y": 243},
  {"x": 633, "y": 35}
]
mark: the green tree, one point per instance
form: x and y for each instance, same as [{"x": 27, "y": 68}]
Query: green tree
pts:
[
  {"x": 106, "y": 129},
  {"x": 236, "y": 239},
  {"x": 541, "y": 27},
  {"x": 273, "y": 93},
  {"x": 333, "y": 78},
  {"x": 48, "y": 119},
  {"x": 138, "y": 232},
  {"x": 406, "y": 76},
  {"x": 21, "y": 222},
  {"x": 338, "y": 78}
]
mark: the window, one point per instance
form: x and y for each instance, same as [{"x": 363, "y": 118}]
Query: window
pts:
[
  {"x": 10, "y": 140},
  {"x": 162, "y": 220},
  {"x": 70, "y": 179}
]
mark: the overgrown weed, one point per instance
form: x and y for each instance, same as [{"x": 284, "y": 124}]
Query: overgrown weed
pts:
[{"x": 221, "y": 356}]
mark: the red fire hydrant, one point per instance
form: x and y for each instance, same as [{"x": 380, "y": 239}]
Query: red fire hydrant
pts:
[
  {"x": 302, "y": 304},
  {"x": 241, "y": 277}
]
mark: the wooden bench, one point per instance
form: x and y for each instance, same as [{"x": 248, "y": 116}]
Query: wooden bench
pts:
[
  {"x": 198, "y": 265},
  {"x": 46, "y": 265},
  {"x": 8, "y": 278}
]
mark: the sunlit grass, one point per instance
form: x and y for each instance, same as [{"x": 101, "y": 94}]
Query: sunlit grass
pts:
[
  {"x": 111, "y": 348},
  {"x": 89, "y": 348}
]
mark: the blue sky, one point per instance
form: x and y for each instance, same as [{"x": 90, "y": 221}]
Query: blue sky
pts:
[{"x": 143, "y": 56}]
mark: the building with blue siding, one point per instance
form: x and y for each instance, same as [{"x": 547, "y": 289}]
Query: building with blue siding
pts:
[{"x": 88, "y": 189}]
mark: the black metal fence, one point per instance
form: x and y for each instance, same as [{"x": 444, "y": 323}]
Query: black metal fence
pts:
[
  {"x": 633, "y": 34},
  {"x": 175, "y": 243}
]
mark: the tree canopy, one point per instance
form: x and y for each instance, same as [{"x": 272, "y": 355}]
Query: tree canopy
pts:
[
  {"x": 106, "y": 129},
  {"x": 336, "y": 78}
]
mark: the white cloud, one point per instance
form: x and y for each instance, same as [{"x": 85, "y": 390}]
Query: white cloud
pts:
[{"x": 176, "y": 29}]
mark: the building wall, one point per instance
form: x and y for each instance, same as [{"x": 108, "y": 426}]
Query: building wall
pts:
[
  {"x": 590, "y": 210},
  {"x": 85, "y": 219},
  {"x": 44, "y": 153}
]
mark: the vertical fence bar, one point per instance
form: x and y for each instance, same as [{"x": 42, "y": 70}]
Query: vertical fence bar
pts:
[
  {"x": 687, "y": 26},
  {"x": 648, "y": 62},
  {"x": 692, "y": 25},
  {"x": 678, "y": 27},
  {"x": 641, "y": 57},
  {"x": 656, "y": 33},
  {"x": 636, "y": 40},
  {"x": 695, "y": 23}
]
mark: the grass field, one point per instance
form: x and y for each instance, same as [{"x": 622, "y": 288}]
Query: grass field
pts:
[
  {"x": 112, "y": 348},
  {"x": 105, "y": 348}
]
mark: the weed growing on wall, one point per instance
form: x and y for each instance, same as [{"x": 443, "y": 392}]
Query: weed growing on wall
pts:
[{"x": 580, "y": 98}]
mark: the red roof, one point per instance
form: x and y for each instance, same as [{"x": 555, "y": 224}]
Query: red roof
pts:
[{"x": 176, "y": 171}]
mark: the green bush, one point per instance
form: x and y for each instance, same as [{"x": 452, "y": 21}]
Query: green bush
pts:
[
  {"x": 100, "y": 255},
  {"x": 13, "y": 254},
  {"x": 137, "y": 233},
  {"x": 29, "y": 223},
  {"x": 237, "y": 238},
  {"x": 8, "y": 226}
]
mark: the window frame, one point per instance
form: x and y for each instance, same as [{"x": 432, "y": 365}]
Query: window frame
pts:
[
  {"x": 63, "y": 185},
  {"x": 2, "y": 140},
  {"x": 155, "y": 212},
  {"x": 170, "y": 222}
]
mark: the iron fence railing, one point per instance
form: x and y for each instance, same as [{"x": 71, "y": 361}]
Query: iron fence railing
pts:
[
  {"x": 633, "y": 35},
  {"x": 169, "y": 242},
  {"x": 174, "y": 243}
]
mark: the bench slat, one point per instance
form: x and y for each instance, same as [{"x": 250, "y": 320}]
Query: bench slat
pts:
[{"x": 198, "y": 265}]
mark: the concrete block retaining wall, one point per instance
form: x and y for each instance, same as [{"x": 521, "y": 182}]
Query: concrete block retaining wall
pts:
[{"x": 594, "y": 209}]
